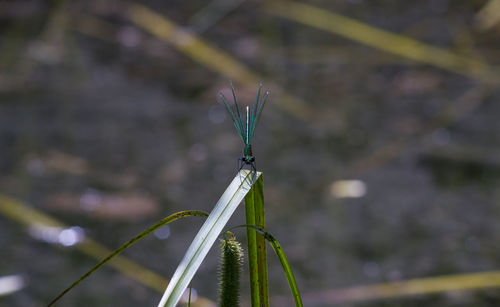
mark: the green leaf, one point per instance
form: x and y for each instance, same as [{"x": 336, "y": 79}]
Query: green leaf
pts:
[
  {"x": 197, "y": 251},
  {"x": 129, "y": 243},
  {"x": 257, "y": 254},
  {"x": 283, "y": 260}
]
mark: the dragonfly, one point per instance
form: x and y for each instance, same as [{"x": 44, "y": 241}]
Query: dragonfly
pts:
[{"x": 246, "y": 128}]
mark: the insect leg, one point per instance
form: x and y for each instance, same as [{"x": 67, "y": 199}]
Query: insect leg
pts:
[{"x": 241, "y": 164}]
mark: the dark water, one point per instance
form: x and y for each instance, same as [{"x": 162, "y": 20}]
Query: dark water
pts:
[{"x": 113, "y": 130}]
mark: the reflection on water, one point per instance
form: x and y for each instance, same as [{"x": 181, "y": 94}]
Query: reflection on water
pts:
[
  {"x": 163, "y": 232},
  {"x": 10, "y": 284},
  {"x": 58, "y": 235},
  {"x": 348, "y": 189}
]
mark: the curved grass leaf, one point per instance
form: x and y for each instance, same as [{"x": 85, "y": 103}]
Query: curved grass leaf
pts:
[
  {"x": 129, "y": 243},
  {"x": 207, "y": 235},
  {"x": 283, "y": 260}
]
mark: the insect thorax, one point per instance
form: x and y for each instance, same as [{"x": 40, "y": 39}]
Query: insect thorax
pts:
[
  {"x": 247, "y": 151},
  {"x": 247, "y": 154}
]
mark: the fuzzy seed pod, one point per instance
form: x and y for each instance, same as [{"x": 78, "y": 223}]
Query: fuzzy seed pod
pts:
[{"x": 229, "y": 271}]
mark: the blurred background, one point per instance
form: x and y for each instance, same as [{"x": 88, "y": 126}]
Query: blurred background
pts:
[{"x": 379, "y": 146}]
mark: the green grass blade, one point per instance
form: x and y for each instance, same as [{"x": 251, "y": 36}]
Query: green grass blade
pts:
[
  {"x": 207, "y": 235},
  {"x": 283, "y": 260},
  {"x": 129, "y": 243},
  {"x": 252, "y": 252},
  {"x": 257, "y": 256}
]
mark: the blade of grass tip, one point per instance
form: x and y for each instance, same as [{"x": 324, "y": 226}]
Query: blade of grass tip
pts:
[
  {"x": 129, "y": 243},
  {"x": 283, "y": 260},
  {"x": 257, "y": 255},
  {"x": 208, "y": 233}
]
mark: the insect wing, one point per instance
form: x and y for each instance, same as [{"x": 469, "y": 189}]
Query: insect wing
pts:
[
  {"x": 237, "y": 106},
  {"x": 258, "y": 111},
  {"x": 238, "y": 124},
  {"x": 254, "y": 109}
]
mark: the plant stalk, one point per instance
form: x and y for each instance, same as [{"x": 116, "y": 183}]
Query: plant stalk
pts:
[{"x": 257, "y": 255}]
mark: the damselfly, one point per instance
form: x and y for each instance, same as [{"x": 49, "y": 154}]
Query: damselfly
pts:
[{"x": 246, "y": 129}]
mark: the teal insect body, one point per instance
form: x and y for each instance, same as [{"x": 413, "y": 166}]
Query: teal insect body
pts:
[
  {"x": 247, "y": 130},
  {"x": 247, "y": 154}
]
